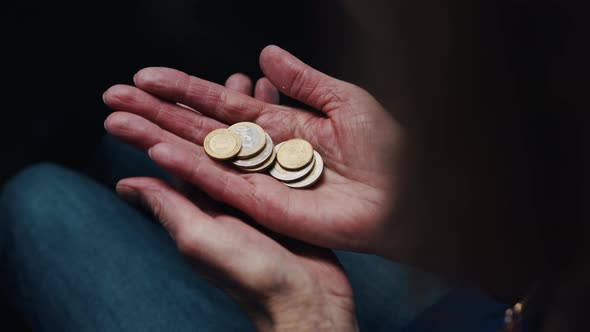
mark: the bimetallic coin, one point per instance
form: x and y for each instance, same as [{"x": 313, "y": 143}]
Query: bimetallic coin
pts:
[
  {"x": 282, "y": 174},
  {"x": 313, "y": 177},
  {"x": 253, "y": 138},
  {"x": 260, "y": 158},
  {"x": 295, "y": 154},
  {"x": 264, "y": 166},
  {"x": 222, "y": 144}
]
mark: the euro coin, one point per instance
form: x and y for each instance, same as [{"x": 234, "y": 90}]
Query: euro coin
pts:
[
  {"x": 282, "y": 174},
  {"x": 264, "y": 166},
  {"x": 252, "y": 137},
  {"x": 222, "y": 144},
  {"x": 258, "y": 159},
  {"x": 295, "y": 154},
  {"x": 313, "y": 177}
]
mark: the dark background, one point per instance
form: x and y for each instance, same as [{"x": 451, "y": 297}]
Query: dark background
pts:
[{"x": 60, "y": 57}]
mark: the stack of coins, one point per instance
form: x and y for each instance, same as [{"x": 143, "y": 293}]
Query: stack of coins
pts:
[
  {"x": 251, "y": 149},
  {"x": 298, "y": 164}
]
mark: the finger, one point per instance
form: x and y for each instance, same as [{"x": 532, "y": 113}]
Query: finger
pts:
[
  {"x": 302, "y": 82},
  {"x": 144, "y": 134},
  {"x": 266, "y": 91},
  {"x": 209, "y": 98},
  {"x": 180, "y": 120},
  {"x": 257, "y": 195},
  {"x": 140, "y": 132},
  {"x": 229, "y": 106},
  {"x": 174, "y": 211},
  {"x": 220, "y": 245},
  {"x": 240, "y": 83},
  {"x": 204, "y": 202},
  {"x": 212, "y": 177}
]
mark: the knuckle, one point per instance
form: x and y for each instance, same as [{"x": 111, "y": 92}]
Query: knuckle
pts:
[
  {"x": 225, "y": 188},
  {"x": 277, "y": 120},
  {"x": 222, "y": 100},
  {"x": 197, "y": 136},
  {"x": 184, "y": 88},
  {"x": 155, "y": 203},
  {"x": 298, "y": 83},
  {"x": 117, "y": 120},
  {"x": 120, "y": 95},
  {"x": 186, "y": 243}
]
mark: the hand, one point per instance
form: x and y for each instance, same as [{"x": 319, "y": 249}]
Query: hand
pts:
[
  {"x": 359, "y": 141},
  {"x": 283, "y": 286},
  {"x": 265, "y": 92}
]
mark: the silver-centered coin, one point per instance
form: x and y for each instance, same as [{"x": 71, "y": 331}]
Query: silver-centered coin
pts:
[
  {"x": 260, "y": 158},
  {"x": 253, "y": 138}
]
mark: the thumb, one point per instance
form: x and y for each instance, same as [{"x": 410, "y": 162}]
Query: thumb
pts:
[
  {"x": 302, "y": 82},
  {"x": 176, "y": 213},
  {"x": 222, "y": 249}
]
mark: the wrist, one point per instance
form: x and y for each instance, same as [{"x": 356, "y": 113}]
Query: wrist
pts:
[{"x": 305, "y": 312}]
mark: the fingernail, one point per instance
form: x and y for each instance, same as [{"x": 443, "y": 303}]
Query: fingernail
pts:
[
  {"x": 160, "y": 151},
  {"x": 145, "y": 75},
  {"x": 129, "y": 194},
  {"x": 274, "y": 46}
]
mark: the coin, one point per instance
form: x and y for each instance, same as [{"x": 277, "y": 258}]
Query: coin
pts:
[
  {"x": 222, "y": 144},
  {"x": 258, "y": 159},
  {"x": 313, "y": 177},
  {"x": 252, "y": 137},
  {"x": 264, "y": 166},
  {"x": 282, "y": 174},
  {"x": 295, "y": 154}
]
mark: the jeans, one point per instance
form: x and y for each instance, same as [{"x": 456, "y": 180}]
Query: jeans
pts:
[{"x": 77, "y": 258}]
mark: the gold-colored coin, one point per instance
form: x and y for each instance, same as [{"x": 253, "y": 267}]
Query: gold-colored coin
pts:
[
  {"x": 313, "y": 177},
  {"x": 295, "y": 154},
  {"x": 264, "y": 166},
  {"x": 258, "y": 159},
  {"x": 284, "y": 175},
  {"x": 252, "y": 137},
  {"x": 222, "y": 144}
]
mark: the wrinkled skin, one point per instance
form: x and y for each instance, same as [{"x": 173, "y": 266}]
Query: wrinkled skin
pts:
[
  {"x": 283, "y": 284},
  {"x": 359, "y": 142}
]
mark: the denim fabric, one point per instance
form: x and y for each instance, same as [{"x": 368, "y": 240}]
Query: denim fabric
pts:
[
  {"x": 77, "y": 258},
  {"x": 80, "y": 259}
]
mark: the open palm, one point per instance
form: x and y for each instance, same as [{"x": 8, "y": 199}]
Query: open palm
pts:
[{"x": 348, "y": 127}]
